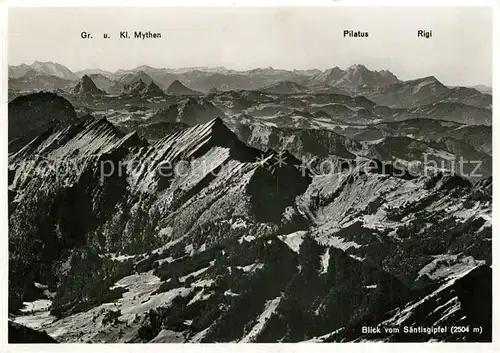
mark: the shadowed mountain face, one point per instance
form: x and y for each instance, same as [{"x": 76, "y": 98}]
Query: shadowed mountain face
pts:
[
  {"x": 22, "y": 334},
  {"x": 458, "y": 300},
  {"x": 102, "y": 82},
  {"x": 176, "y": 88},
  {"x": 152, "y": 90},
  {"x": 86, "y": 88},
  {"x": 32, "y": 114}
]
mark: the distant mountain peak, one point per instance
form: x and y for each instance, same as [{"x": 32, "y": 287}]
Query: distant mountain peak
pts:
[
  {"x": 201, "y": 138},
  {"x": 141, "y": 73},
  {"x": 178, "y": 88},
  {"x": 358, "y": 67},
  {"x": 86, "y": 78},
  {"x": 153, "y": 90},
  {"x": 430, "y": 78},
  {"x": 143, "y": 89},
  {"x": 133, "y": 77},
  {"x": 359, "y": 75},
  {"x": 37, "y": 62},
  {"x": 144, "y": 67},
  {"x": 218, "y": 121},
  {"x": 50, "y": 68},
  {"x": 87, "y": 88},
  {"x": 329, "y": 76}
]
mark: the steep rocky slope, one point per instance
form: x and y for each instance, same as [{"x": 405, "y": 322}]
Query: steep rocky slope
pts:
[{"x": 201, "y": 238}]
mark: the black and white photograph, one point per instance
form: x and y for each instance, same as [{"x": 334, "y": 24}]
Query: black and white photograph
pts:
[{"x": 249, "y": 174}]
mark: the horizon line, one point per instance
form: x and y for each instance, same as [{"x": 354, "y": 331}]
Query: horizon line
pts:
[{"x": 246, "y": 70}]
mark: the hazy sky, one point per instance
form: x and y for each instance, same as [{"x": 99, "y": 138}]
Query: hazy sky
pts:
[{"x": 459, "y": 52}]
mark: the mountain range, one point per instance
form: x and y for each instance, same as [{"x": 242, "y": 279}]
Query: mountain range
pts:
[
  {"x": 242, "y": 245},
  {"x": 204, "y": 79},
  {"x": 267, "y": 205}
]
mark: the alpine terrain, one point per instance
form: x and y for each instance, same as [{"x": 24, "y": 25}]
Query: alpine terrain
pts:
[{"x": 213, "y": 205}]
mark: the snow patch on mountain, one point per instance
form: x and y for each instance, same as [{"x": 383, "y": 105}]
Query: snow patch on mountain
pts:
[
  {"x": 247, "y": 238},
  {"x": 200, "y": 296},
  {"x": 37, "y": 305},
  {"x": 251, "y": 268},
  {"x": 293, "y": 240},
  {"x": 447, "y": 265},
  {"x": 162, "y": 299},
  {"x": 325, "y": 260},
  {"x": 269, "y": 309}
]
